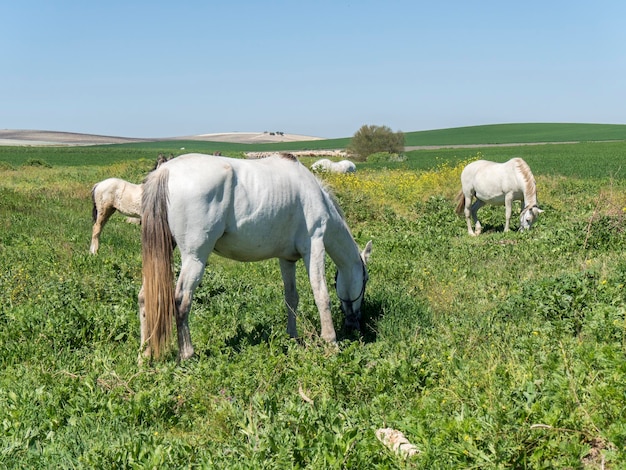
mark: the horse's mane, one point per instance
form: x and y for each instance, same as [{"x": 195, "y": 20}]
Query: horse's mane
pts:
[
  {"x": 530, "y": 186},
  {"x": 288, "y": 156},
  {"x": 331, "y": 196}
]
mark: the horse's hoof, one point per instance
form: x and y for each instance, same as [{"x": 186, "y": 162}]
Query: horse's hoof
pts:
[
  {"x": 330, "y": 339},
  {"x": 186, "y": 354}
]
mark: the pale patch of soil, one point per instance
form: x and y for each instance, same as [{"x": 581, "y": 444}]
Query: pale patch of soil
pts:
[
  {"x": 253, "y": 137},
  {"x": 38, "y": 138},
  {"x": 51, "y": 138}
]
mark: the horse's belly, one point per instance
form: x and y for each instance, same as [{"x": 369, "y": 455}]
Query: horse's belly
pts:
[
  {"x": 498, "y": 197},
  {"x": 492, "y": 199},
  {"x": 240, "y": 247}
]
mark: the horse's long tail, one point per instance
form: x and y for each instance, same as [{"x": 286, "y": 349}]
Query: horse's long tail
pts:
[
  {"x": 460, "y": 203},
  {"x": 156, "y": 252},
  {"x": 94, "y": 209}
]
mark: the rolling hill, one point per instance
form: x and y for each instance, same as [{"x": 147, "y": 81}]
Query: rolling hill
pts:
[{"x": 495, "y": 134}]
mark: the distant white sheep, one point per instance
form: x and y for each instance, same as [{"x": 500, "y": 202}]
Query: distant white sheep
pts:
[
  {"x": 344, "y": 166},
  {"x": 302, "y": 153}
]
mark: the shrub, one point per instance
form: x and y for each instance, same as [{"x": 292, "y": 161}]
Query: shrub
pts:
[
  {"x": 37, "y": 162},
  {"x": 372, "y": 139}
]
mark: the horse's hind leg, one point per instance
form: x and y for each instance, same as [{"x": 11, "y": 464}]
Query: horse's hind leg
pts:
[
  {"x": 288, "y": 272},
  {"x": 474, "y": 212},
  {"x": 190, "y": 275},
  {"x": 467, "y": 213},
  {"x": 101, "y": 219},
  {"x": 144, "y": 349}
]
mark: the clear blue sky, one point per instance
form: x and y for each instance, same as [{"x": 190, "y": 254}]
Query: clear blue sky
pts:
[{"x": 322, "y": 68}]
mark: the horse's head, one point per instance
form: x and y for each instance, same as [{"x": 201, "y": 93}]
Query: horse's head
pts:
[
  {"x": 350, "y": 285},
  {"x": 528, "y": 217}
]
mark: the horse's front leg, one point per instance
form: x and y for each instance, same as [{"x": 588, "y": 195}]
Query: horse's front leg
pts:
[
  {"x": 315, "y": 267},
  {"x": 508, "y": 206},
  {"x": 288, "y": 272}
]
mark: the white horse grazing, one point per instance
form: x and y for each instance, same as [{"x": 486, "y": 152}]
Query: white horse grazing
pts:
[
  {"x": 108, "y": 196},
  {"x": 498, "y": 184},
  {"x": 246, "y": 210},
  {"x": 344, "y": 166}
]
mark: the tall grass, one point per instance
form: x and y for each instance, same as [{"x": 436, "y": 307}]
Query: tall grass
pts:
[{"x": 505, "y": 350}]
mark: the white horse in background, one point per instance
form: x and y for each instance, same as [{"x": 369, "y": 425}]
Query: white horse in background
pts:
[
  {"x": 498, "y": 184},
  {"x": 344, "y": 166},
  {"x": 108, "y": 196},
  {"x": 246, "y": 210}
]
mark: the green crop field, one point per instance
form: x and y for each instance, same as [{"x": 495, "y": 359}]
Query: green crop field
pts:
[
  {"x": 506, "y": 350},
  {"x": 477, "y": 135},
  {"x": 517, "y": 134}
]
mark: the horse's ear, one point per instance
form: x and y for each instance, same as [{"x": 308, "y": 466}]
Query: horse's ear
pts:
[
  {"x": 367, "y": 251},
  {"x": 537, "y": 210}
]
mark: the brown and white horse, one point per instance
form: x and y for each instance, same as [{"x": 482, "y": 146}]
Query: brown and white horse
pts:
[
  {"x": 108, "y": 196},
  {"x": 114, "y": 194}
]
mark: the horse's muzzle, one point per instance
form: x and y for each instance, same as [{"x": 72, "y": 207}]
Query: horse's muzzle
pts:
[{"x": 352, "y": 322}]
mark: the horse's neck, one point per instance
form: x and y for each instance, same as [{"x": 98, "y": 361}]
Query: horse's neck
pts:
[{"x": 341, "y": 247}]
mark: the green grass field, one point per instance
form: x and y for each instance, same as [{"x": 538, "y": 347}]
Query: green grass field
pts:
[
  {"x": 477, "y": 135},
  {"x": 501, "y": 351},
  {"x": 517, "y": 134}
]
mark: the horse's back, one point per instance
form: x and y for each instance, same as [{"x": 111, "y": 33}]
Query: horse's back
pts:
[
  {"x": 479, "y": 166},
  {"x": 491, "y": 181},
  {"x": 244, "y": 209},
  {"x": 107, "y": 186},
  {"x": 202, "y": 174},
  {"x": 119, "y": 193}
]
